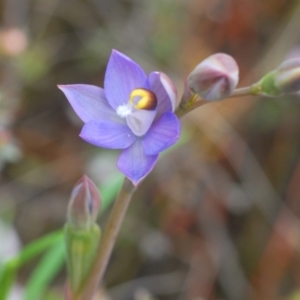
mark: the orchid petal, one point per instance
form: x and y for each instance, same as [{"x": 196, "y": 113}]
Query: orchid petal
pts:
[
  {"x": 135, "y": 164},
  {"x": 89, "y": 102},
  {"x": 164, "y": 90},
  {"x": 122, "y": 76},
  {"x": 163, "y": 134},
  {"x": 140, "y": 121},
  {"x": 107, "y": 134}
]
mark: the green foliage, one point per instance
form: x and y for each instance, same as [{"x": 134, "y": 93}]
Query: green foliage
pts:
[
  {"x": 9, "y": 270},
  {"x": 266, "y": 86},
  {"x": 7, "y": 278},
  {"x": 81, "y": 247},
  {"x": 47, "y": 269}
]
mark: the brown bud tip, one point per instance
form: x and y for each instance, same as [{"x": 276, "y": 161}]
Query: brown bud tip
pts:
[{"x": 214, "y": 78}]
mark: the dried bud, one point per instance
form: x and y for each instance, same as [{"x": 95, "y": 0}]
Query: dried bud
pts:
[
  {"x": 214, "y": 78},
  {"x": 84, "y": 205},
  {"x": 287, "y": 76}
]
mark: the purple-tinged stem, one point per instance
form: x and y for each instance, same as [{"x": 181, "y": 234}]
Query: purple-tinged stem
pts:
[
  {"x": 182, "y": 111},
  {"x": 106, "y": 245},
  {"x": 244, "y": 91}
]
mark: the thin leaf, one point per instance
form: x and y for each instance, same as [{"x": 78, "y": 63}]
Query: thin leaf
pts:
[
  {"x": 38, "y": 246},
  {"x": 9, "y": 270},
  {"x": 7, "y": 279},
  {"x": 47, "y": 269}
]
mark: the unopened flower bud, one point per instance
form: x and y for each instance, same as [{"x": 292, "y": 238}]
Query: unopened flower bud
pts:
[
  {"x": 82, "y": 233},
  {"x": 84, "y": 205},
  {"x": 283, "y": 80},
  {"x": 214, "y": 78},
  {"x": 287, "y": 76}
]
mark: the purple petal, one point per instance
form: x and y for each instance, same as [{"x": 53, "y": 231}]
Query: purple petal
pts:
[
  {"x": 163, "y": 134},
  {"x": 107, "y": 134},
  {"x": 135, "y": 164},
  {"x": 122, "y": 76},
  {"x": 165, "y": 92},
  {"x": 89, "y": 102}
]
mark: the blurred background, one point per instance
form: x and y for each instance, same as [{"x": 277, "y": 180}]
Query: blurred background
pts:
[{"x": 218, "y": 218}]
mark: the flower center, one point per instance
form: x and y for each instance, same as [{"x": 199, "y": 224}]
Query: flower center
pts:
[
  {"x": 143, "y": 99},
  {"x": 138, "y": 99},
  {"x": 140, "y": 110},
  {"x": 124, "y": 110}
]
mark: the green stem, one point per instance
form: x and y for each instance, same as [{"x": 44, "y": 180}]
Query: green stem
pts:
[
  {"x": 183, "y": 110},
  {"x": 193, "y": 103},
  {"x": 109, "y": 237},
  {"x": 244, "y": 91},
  {"x": 198, "y": 101}
]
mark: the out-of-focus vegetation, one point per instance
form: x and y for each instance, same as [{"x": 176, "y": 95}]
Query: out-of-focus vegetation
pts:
[{"x": 218, "y": 218}]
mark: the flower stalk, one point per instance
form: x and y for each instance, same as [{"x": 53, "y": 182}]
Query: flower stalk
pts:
[{"x": 109, "y": 237}]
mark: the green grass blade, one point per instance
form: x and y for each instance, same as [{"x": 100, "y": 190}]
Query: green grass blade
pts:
[
  {"x": 37, "y": 247},
  {"x": 9, "y": 270},
  {"x": 7, "y": 278},
  {"x": 51, "y": 263}
]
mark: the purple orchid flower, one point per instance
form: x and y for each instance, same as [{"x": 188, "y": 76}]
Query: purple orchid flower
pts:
[{"x": 133, "y": 113}]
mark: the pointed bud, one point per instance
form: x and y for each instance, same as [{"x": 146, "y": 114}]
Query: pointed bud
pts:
[
  {"x": 84, "y": 205},
  {"x": 287, "y": 76},
  {"x": 82, "y": 233},
  {"x": 214, "y": 78}
]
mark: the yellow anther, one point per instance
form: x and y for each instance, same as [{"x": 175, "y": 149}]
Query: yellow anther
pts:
[{"x": 143, "y": 99}]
